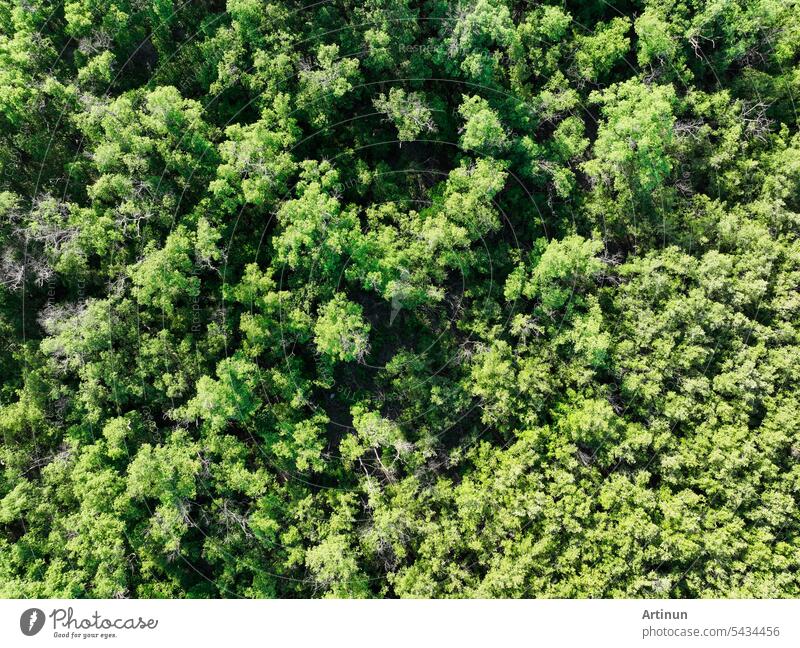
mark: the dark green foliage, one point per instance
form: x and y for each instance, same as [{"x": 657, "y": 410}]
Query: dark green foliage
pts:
[{"x": 392, "y": 298}]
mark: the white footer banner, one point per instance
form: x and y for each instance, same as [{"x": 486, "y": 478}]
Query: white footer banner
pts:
[{"x": 332, "y": 623}]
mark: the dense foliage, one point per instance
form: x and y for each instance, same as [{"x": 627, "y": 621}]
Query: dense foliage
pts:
[{"x": 392, "y": 298}]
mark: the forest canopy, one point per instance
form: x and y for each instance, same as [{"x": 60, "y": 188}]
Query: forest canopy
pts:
[{"x": 471, "y": 298}]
